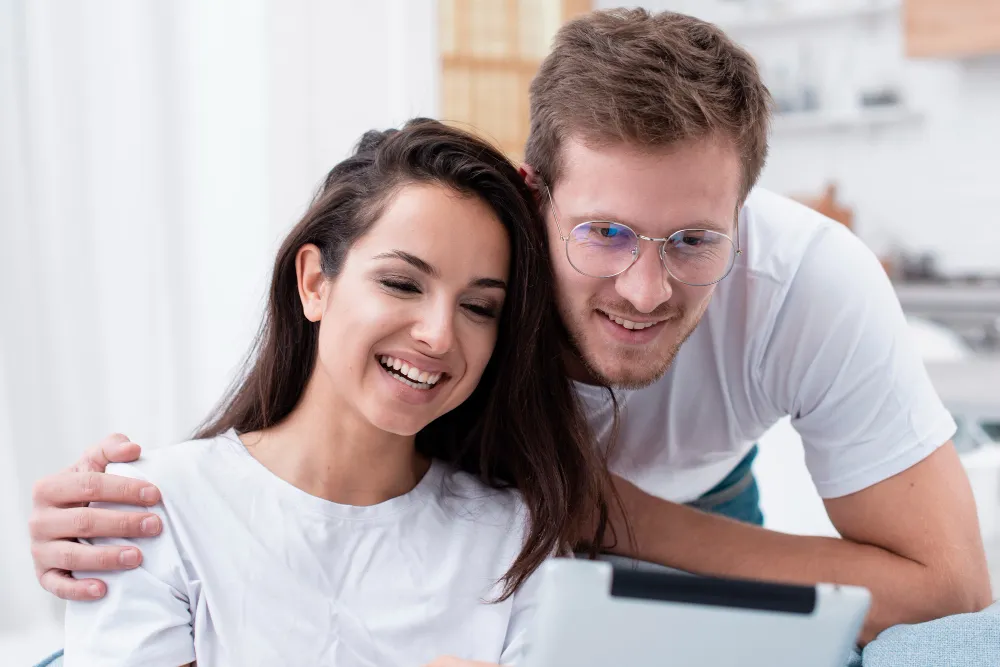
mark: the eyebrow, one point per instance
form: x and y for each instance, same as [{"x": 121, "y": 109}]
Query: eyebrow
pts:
[
  {"x": 599, "y": 216},
  {"x": 424, "y": 267}
]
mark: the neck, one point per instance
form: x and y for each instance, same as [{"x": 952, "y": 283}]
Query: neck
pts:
[{"x": 330, "y": 451}]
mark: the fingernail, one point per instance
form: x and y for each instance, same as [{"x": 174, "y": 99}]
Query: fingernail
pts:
[
  {"x": 129, "y": 558},
  {"x": 94, "y": 590},
  {"x": 147, "y": 495},
  {"x": 150, "y": 525}
]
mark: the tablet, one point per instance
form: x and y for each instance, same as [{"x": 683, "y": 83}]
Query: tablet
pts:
[{"x": 594, "y": 614}]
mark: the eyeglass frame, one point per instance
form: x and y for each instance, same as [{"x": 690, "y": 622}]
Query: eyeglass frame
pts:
[{"x": 642, "y": 237}]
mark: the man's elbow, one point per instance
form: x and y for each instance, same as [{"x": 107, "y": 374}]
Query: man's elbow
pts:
[{"x": 960, "y": 590}]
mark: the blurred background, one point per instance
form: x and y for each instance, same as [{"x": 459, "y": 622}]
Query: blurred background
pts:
[{"x": 153, "y": 154}]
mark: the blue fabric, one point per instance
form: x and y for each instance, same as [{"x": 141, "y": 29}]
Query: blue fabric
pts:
[
  {"x": 963, "y": 640},
  {"x": 743, "y": 505},
  {"x": 54, "y": 660}
]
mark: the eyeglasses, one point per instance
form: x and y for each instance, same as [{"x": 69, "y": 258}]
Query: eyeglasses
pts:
[{"x": 604, "y": 249}]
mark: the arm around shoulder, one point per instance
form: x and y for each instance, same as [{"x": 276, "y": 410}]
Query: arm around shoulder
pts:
[{"x": 145, "y": 618}]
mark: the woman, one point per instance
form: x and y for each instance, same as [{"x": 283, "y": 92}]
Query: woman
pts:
[{"x": 401, "y": 454}]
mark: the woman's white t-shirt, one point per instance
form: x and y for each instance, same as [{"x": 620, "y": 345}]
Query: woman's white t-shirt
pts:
[{"x": 250, "y": 570}]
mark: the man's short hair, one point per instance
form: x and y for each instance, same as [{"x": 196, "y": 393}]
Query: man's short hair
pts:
[{"x": 649, "y": 80}]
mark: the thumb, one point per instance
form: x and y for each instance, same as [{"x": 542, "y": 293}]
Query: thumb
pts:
[{"x": 115, "y": 448}]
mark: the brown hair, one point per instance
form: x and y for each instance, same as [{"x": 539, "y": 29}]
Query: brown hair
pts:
[
  {"x": 626, "y": 75},
  {"x": 522, "y": 427}
]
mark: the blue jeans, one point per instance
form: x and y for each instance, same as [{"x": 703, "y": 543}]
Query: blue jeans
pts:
[{"x": 737, "y": 496}]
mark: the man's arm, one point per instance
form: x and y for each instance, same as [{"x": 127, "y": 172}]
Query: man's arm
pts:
[
  {"x": 60, "y": 516},
  {"x": 913, "y": 540}
]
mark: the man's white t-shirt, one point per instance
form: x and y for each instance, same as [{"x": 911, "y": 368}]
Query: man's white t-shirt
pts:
[
  {"x": 250, "y": 570},
  {"x": 806, "y": 325}
]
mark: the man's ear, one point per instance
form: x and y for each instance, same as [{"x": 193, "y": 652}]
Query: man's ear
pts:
[
  {"x": 533, "y": 180},
  {"x": 530, "y": 176}
]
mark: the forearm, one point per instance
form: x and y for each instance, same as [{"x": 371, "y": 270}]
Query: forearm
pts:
[{"x": 903, "y": 590}]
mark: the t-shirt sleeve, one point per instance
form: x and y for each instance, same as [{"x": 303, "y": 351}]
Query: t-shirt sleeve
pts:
[
  {"x": 145, "y": 617},
  {"x": 841, "y": 362}
]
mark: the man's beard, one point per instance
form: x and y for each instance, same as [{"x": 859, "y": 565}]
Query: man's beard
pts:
[{"x": 637, "y": 368}]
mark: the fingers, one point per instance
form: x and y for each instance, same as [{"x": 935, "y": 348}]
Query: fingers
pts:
[
  {"x": 79, "y": 488},
  {"x": 115, "y": 448},
  {"x": 73, "y": 556},
  {"x": 77, "y": 522},
  {"x": 62, "y": 585}
]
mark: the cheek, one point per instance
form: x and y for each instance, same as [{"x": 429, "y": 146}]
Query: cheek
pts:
[
  {"x": 476, "y": 343},
  {"x": 479, "y": 345},
  {"x": 339, "y": 354},
  {"x": 348, "y": 334},
  {"x": 693, "y": 300},
  {"x": 572, "y": 289}
]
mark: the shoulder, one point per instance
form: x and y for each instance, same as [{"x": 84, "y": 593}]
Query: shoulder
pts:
[
  {"x": 781, "y": 235},
  {"x": 795, "y": 254},
  {"x": 468, "y": 498},
  {"x": 179, "y": 464}
]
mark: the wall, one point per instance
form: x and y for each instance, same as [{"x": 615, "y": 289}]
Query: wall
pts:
[{"x": 928, "y": 182}]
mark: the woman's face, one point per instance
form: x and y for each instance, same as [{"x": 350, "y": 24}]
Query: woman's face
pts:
[{"x": 408, "y": 326}]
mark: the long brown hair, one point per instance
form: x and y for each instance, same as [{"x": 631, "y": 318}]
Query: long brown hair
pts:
[{"x": 522, "y": 427}]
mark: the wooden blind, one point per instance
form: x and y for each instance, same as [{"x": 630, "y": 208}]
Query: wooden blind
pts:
[
  {"x": 490, "y": 50},
  {"x": 951, "y": 28}
]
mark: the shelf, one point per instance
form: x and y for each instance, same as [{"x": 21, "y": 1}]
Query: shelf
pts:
[
  {"x": 805, "y": 121},
  {"x": 814, "y": 18}
]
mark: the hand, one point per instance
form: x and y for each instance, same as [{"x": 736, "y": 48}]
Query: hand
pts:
[
  {"x": 448, "y": 661},
  {"x": 60, "y": 515}
]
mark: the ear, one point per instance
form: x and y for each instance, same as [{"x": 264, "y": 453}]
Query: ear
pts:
[
  {"x": 312, "y": 283},
  {"x": 533, "y": 180},
  {"x": 530, "y": 176}
]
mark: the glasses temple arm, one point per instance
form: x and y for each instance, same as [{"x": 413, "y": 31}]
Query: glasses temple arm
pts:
[{"x": 555, "y": 213}]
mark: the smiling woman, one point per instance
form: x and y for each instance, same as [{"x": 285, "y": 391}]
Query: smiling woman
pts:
[{"x": 400, "y": 455}]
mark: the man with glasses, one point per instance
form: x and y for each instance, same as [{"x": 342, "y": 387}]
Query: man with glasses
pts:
[{"x": 704, "y": 310}]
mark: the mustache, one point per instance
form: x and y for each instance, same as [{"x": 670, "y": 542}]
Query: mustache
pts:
[{"x": 625, "y": 309}]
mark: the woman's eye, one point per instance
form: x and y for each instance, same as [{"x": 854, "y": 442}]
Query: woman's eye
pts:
[
  {"x": 483, "y": 310},
  {"x": 399, "y": 285}
]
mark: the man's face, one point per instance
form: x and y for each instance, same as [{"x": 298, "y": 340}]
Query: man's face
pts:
[{"x": 694, "y": 185}]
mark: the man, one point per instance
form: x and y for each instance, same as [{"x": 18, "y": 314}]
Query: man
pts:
[{"x": 713, "y": 309}]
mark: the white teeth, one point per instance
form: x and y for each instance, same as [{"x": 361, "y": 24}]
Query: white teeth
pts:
[
  {"x": 410, "y": 375},
  {"x": 629, "y": 324}
]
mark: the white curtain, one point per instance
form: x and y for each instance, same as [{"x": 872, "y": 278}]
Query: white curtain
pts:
[{"x": 152, "y": 154}]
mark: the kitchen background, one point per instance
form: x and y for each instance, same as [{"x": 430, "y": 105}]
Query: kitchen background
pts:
[{"x": 153, "y": 154}]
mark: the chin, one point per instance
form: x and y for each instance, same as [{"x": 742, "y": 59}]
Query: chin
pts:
[
  {"x": 398, "y": 424},
  {"x": 628, "y": 368},
  {"x": 628, "y": 375}
]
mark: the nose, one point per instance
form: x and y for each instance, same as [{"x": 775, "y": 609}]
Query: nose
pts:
[
  {"x": 435, "y": 327},
  {"x": 645, "y": 284}
]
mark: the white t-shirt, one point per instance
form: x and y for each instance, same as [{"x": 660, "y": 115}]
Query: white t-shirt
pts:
[
  {"x": 250, "y": 570},
  {"x": 807, "y": 325}
]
